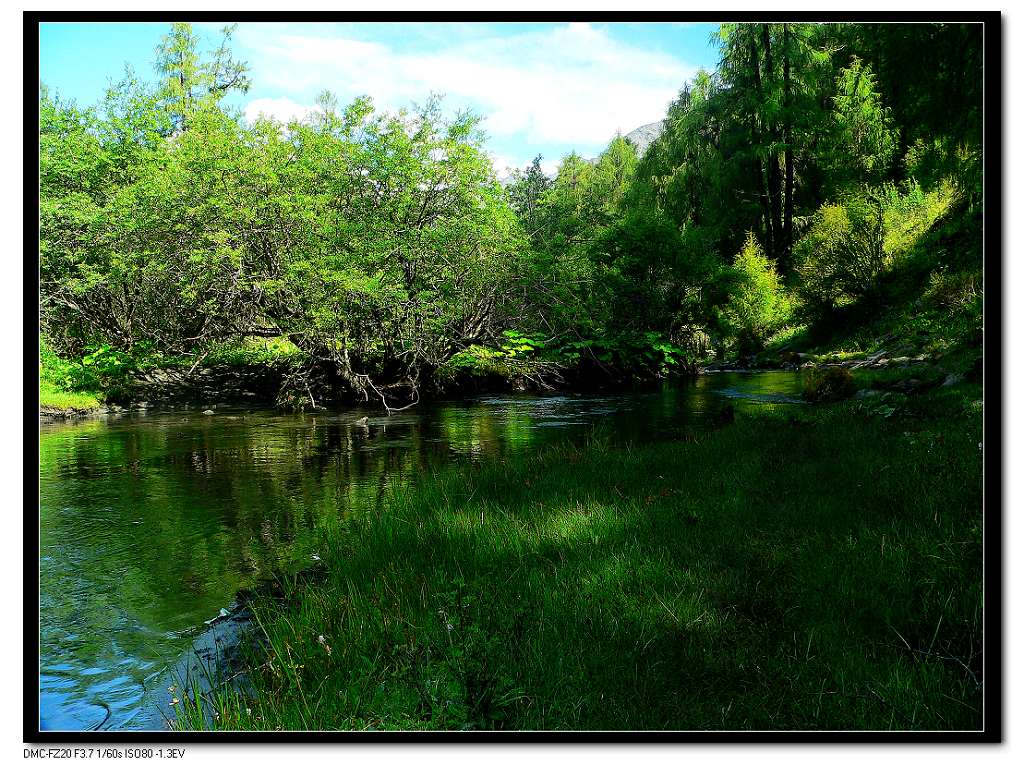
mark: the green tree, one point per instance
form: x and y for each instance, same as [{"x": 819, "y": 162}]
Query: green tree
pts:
[
  {"x": 758, "y": 305},
  {"x": 863, "y": 140},
  {"x": 525, "y": 193},
  {"x": 191, "y": 81}
]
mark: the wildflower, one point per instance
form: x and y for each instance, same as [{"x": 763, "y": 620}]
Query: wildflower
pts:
[{"x": 323, "y": 641}]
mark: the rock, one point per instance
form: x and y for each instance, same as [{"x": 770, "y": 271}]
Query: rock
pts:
[
  {"x": 208, "y": 411},
  {"x": 645, "y": 135},
  {"x": 952, "y": 379},
  {"x": 867, "y": 393}
]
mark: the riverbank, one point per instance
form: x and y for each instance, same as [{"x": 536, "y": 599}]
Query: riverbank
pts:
[{"x": 810, "y": 568}]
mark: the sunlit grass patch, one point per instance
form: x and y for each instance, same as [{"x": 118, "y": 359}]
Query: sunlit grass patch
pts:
[{"x": 52, "y": 397}]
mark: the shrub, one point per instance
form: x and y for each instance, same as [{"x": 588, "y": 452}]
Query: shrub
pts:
[
  {"x": 954, "y": 292},
  {"x": 850, "y": 244},
  {"x": 943, "y": 160},
  {"x": 758, "y": 305},
  {"x": 842, "y": 253}
]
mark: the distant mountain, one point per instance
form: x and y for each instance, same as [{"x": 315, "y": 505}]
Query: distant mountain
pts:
[
  {"x": 641, "y": 138},
  {"x": 645, "y": 135}
]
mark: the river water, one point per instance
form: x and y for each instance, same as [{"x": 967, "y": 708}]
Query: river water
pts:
[{"x": 149, "y": 523}]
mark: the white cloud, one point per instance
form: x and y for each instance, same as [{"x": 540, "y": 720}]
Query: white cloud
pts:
[
  {"x": 503, "y": 164},
  {"x": 281, "y": 109},
  {"x": 572, "y": 84}
]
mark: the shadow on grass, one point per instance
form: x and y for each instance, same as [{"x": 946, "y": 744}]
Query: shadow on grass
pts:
[{"x": 780, "y": 573}]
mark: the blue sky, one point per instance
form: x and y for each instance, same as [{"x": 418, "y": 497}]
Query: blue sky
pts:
[{"x": 542, "y": 88}]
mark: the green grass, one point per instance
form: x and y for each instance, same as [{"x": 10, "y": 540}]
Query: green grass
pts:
[
  {"x": 58, "y": 392},
  {"x": 818, "y": 570},
  {"x": 51, "y": 397}
]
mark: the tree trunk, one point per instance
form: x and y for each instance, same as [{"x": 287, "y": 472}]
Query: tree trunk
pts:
[
  {"x": 763, "y": 191},
  {"x": 774, "y": 181},
  {"x": 787, "y": 137}
]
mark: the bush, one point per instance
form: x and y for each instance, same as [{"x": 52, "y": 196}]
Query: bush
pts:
[
  {"x": 954, "y": 292},
  {"x": 758, "y": 305},
  {"x": 832, "y": 384},
  {"x": 850, "y": 244},
  {"x": 943, "y": 160}
]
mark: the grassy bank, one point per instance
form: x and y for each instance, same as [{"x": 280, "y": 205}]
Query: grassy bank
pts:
[
  {"x": 60, "y": 393},
  {"x": 54, "y": 399},
  {"x": 818, "y": 568}
]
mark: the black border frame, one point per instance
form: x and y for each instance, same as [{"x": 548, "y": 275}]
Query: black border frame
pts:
[{"x": 993, "y": 710}]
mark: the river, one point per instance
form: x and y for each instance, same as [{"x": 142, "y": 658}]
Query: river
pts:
[{"x": 150, "y": 522}]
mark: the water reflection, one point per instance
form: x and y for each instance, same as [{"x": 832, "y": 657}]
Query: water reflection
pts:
[{"x": 149, "y": 523}]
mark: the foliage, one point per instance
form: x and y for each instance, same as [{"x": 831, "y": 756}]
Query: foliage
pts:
[
  {"x": 63, "y": 385},
  {"x": 380, "y": 244},
  {"x": 758, "y": 305},
  {"x": 383, "y": 247},
  {"x": 954, "y": 291},
  {"x": 526, "y": 196},
  {"x": 864, "y": 139},
  {"x": 191, "y": 82},
  {"x": 254, "y": 352},
  {"x": 850, "y": 244}
]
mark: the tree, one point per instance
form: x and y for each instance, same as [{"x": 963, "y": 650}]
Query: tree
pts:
[
  {"x": 863, "y": 141},
  {"x": 757, "y": 305},
  {"x": 190, "y": 81},
  {"x": 525, "y": 193}
]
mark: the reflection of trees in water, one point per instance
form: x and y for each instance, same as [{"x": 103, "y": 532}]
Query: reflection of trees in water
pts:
[
  {"x": 165, "y": 519},
  {"x": 148, "y": 528}
]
